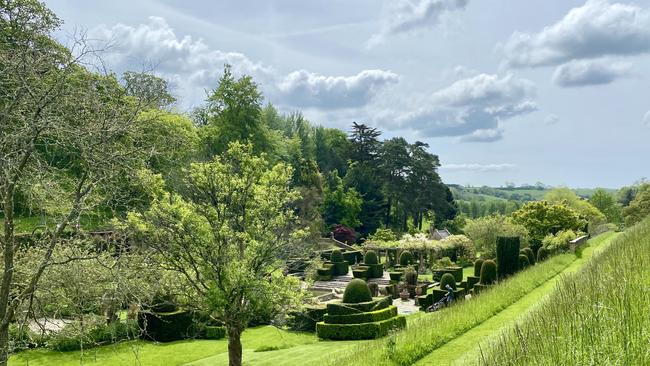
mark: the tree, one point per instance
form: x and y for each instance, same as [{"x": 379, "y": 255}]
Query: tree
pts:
[
  {"x": 228, "y": 237},
  {"x": 485, "y": 230},
  {"x": 65, "y": 134},
  {"x": 639, "y": 207},
  {"x": 151, "y": 90},
  {"x": 606, "y": 204},
  {"x": 541, "y": 218},
  {"x": 341, "y": 205},
  {"x": 234, "y": 114},
  {"x": 585, "y": 209}
]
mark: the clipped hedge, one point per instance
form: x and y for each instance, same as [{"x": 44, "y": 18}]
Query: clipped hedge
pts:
[
  {"x": 471, "y": 281},
  {"x": 336, "y": 256},
  {"x": 542, "y": 254},
  {"x": 438, "y": 294},
  {"x": 353, "y": 256},
  {"x": 529, "y": 253},
  {"x": 341, "y": 268},
  {"x": 447, "y": 279},
  {"x": 523, "y": 261},
  {"x": 370, "y": 258},
  {"x": 395, "y": 276},
  {"x": 375, "y": 270},
  {"x": 360, "y": 272},
  {"x": 166, "y": 327},
  {"x": 488, "y": 273},
  {"x": 357, "y": 291},
  {"x": 457, "y": 272},
  {"x": 215, "y": 332},
  {"x": 367, "y": 317},
  {"x": 360, "y": 331},
  {"x": 477, "y": 267},
  {"x": 336, "y": 308},
  {"x": 507, "y": 255}
]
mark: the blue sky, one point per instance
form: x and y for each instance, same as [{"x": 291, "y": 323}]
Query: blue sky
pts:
[{"x": 503, "y": 90}]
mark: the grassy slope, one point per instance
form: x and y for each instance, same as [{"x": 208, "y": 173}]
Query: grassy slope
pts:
[
  {"x": 599, "y": 316},
  {"x": 466, "y": 348}
]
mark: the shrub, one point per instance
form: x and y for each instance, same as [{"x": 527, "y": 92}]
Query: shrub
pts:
[
  {"x": 365, "y": 317},
  {"x": 166, "y": 327},
  {"x": 336, "y": 256},
  {"x": 360, "y": 331},
  {"x": 395, "y": 276},
  {"x": 523, "y": 261},
  {"x": 560, "y": 241},
  {"x": 447, "y": 279},
  {"x": 370, "y": 257},
  {"x": 488, "y": 272},
  {"x": 360, "y": 272},
  {"x": 406, "y": 258},
  {"x": 357, "y": 291},
  {"x": 528, "y": 252},
  {"x": 383, "y": 235},
  {"x": 71, "y": 338},
  {"x": 507, "y": 255},
  {"x": 215, "y": 332},
  {"x": 338, "y": 308},
  {"x": 344, "y": 234},
  {"x": 410, "y": 276},
  {"x": 444, "y": 262},
  {"x": 477, "y": 267},
  {"x": 542, "y": 254}
]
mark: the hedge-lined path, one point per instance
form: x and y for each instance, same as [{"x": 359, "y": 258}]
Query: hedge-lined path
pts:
[{"x": 465, "y": 349}]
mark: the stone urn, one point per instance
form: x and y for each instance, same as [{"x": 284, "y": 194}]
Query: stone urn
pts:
[
  {"x": 404, "y": 295},
  {"x": 418, "y": 291}
]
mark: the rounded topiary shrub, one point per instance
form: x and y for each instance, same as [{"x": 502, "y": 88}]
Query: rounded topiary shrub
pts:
[
  {"x": 477, "y": 267},
  {"x": 542, "y": 254},
  {"x": 336, "y": 257},
  {"x": 370, "y": 257},
  {"x": 357, "y": 291},
  {"x": 523, "y": 261},
  {"x": 507, "y": 255},
  {"x": 488, "y": 272},
  {"x": 529, "y": 253},
  {"x": 410, "y": 276},
  {"x": 406, "y": 258},
  {"x": 447, "y": 279}
]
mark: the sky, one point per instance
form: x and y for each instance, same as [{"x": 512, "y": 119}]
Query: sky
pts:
[{"x": 551, "y": 91}]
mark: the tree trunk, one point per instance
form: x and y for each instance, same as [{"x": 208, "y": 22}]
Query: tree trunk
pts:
[
  {"x": 234, "y": 346},
  {"x": 4, "y": 345}
]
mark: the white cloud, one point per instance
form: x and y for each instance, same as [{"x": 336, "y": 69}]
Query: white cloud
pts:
[
  {"x": 551, "y": 119},
  {"x": 484, "y": 89},
  {"x": 193, "y": 67},
  {"x": 598, "y": 28},
  {"x": 306, "y": 89},
  {"x": 471, "y": 109},
  {"x": 475, "y": 167},
  {"x": 590, "y": 72},
  {"x": 406, "y": 16}
]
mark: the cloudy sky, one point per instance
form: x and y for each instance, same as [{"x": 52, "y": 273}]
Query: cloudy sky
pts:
[{"x": 504, "y": 90}]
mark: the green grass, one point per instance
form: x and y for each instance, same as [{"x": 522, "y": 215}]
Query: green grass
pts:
[
  {"x": 427, "y": 332},
  {"x": 598, "y": 316},
  {"x": 466, "y": 348},
  {"x": 169, "y": 354},
  {"x": 467, "y": 271}
]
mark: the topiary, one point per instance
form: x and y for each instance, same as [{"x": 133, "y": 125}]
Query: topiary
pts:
[
  {"x": 542, "y": 254},
  {"x": 357, "y": 291},
  {"x": 447, "y": 279},
  {"x": 529, "y": 253},
  {"x": 336, "y": 257},
  {"x": 523, "y": 261},
  {"x": 488, "y": 272},
  {"x": 477, "y": 267},
  {"x": 507, "y": 255},
  {"x": 410, "y": 276},
  {"x": 406, "y": 258},
  {"x": 370, "y": 257}
]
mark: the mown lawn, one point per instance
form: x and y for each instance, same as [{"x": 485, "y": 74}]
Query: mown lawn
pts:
[{"x": 168, "y": 354}]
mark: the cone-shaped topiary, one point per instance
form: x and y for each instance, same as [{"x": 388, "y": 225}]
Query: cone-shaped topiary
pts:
[
  {"x": 410, "y": 276},
  {"x": 357, "y": 291},
  {"x": 529, "y": 253},
  {"x": 336, "y": 257},
  {"x": 488, "y": 272},
  {"x": 542, "y": 254},
  {"x": 523, "y": 261},
  {"x": 477, "y": 267},
  {"x": 370, "y": 257},
  {"x": 447, "y": 279},
  {"x": 406, "y": 258}
]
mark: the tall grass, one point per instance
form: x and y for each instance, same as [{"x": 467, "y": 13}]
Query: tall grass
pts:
[
  {"x": 427, "y": 332},
  {"x": 598, "y": 316}
]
